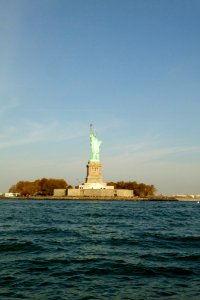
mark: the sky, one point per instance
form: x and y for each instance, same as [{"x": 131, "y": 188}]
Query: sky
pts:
[{"x": 131, "y": 68}]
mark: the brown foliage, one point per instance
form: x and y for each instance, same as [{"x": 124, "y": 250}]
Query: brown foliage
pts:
[
  {"x": 139, "y": 189},
  {"x": 42, "y": 186}
]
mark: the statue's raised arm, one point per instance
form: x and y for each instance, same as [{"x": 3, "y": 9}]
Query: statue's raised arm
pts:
[{"x": 94, "y": 145}]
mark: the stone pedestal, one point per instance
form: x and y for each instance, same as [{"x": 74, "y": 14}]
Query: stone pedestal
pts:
[
  {"x": 94, "y": 172},
  {"x": 94, "y": 179}
]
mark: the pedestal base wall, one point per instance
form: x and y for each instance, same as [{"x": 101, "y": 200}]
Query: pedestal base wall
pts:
[{"x": 99, "y": 193}]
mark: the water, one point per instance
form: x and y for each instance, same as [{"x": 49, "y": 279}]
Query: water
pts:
[{"x": 99, "y": 250}]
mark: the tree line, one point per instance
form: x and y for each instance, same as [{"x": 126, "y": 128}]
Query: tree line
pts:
[
  {"x": 42, "y": 187},
  {"x": 46, "y": 186},
  {"x": 139, "y": 189}
]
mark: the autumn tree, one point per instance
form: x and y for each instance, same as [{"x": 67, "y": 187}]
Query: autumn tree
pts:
[
  {"x": 48, "y": 185},
  {"x": 139, "y": 189},
  {"x": 42, "y": 186}
]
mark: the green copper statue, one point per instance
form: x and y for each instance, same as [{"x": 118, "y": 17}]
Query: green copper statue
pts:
[{"x": 94, "y": 145}]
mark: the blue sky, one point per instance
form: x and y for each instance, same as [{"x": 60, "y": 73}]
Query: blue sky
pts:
[{"x": 132, "y": 68}]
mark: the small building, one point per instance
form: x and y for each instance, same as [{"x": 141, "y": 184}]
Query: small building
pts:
[{"x": 10, "y": 195}]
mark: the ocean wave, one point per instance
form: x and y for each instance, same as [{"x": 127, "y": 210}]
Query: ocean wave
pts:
[
  {"x": 20, "y": 246},
  {"x": 69, "y": 250}
]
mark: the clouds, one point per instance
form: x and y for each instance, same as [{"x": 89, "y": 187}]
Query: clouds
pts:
[
  {"x": 65, "y": 151},
  {"x": 20, "y": 126},
  {"x": 150, "y": 149},
  {"x": 7, "y": 105},
  {"x": 23, "y": 126},
  {"x": 31, "y": 132},
  {"x": 171, "y": 168}
]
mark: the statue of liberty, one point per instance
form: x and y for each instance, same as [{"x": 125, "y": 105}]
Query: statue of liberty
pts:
[{"x": 94, "y": 145}]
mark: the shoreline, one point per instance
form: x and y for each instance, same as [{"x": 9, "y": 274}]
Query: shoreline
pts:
[
  {"x": 67, "y": 198},
  {"x": 95, "y": 198}
]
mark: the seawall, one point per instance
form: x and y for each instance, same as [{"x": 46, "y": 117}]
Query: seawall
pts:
[{"x": 92, "y": 198}]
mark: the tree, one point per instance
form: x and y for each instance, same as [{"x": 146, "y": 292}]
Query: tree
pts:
[
  {"x": 42, "y": 186},
  {"x": 139, "y": 189}
]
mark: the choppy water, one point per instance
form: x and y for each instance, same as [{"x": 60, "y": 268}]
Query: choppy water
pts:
[{"x": 99, "y": 250}]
